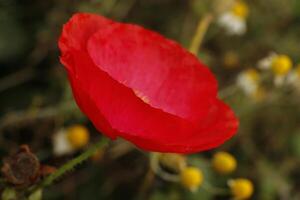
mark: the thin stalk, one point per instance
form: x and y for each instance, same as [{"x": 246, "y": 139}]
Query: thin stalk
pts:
[
  {"x": 200, "y": 32},
  {"x": 215, "y": 190},
  {"x": 70, "y": 165}
]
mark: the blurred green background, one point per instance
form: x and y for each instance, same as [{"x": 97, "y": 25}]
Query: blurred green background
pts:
[{"x": 35, "y": 100}]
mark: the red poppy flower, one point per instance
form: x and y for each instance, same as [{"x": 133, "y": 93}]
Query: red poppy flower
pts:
[{"x": 135, "y": 84}]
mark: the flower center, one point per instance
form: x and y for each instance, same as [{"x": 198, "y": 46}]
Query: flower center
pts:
[{"x": 240, "y": 9}]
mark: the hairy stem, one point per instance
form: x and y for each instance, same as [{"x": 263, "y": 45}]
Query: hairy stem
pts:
[{"x": 71, "y": 164}]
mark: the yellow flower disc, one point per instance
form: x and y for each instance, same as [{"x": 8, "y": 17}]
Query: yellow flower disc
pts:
[
  {"x": 78, "y": 136},
  {"x": 281, "y": 65},
  {"x": 241, "y": 188},
  {"x": 253, "y": 74},
  {"x": 224, "y": 162},
  {"x": 240, "y": 9},
  {"x": 191, "y": 178}
]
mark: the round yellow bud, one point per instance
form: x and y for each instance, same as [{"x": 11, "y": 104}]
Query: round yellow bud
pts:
[
  {"x": 191, "y": 178},
  {"x": 241, "y": 188},
  {"x": 281, "y": 65},
  {"x": 175, "y": 162},
  {"x": 78, "y": 136},
  {"x": 224, "y": 162},
  {"x": 240, "y": 9}
]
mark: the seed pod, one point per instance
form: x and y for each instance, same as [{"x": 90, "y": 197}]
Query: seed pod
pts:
[{"x": 22, "y": 168}]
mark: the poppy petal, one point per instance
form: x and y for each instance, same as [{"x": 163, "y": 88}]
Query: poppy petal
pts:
[
  {"x": 77, "y": 31},
  {"x": 147, "y": 127},
  {"x": 169, "y": 77},
  {"x": 135, "y": 84}
]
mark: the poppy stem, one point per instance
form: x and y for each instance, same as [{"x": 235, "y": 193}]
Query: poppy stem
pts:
[
  {"x": 70, "y": 165},
  {"x": 202, "y": 27}
]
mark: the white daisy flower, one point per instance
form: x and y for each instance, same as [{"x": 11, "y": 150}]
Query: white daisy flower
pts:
[
  {"x": 266, "y": 63},
  {"x": 280, "y": 65},
  {"x": 234, "y": 20},
  {"x": 248, "y": 81},
  {"x": 232, "y": 24},
  {"x": 61, "y": 144},
  {"x": 67, "y": 141}
]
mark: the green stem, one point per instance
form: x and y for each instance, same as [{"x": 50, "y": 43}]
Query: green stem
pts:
[
  {"x": 215, "y": 190},
  {"x": 71, "y": 164},
  {"x": 202, "y": 27}
]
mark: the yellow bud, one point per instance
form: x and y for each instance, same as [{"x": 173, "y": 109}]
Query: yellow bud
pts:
[
  {"x": 191, "y": 178},
  {"x": 240, "y": 9},
  {"x": 173, "y": 161},
  {"x": 78, "y": 136},
  {"x": 241, "y": 188},
  {"x": 281, "y": 65},
  {"x": 252, "y": 74},
  {"x": 224, "y": 162}
]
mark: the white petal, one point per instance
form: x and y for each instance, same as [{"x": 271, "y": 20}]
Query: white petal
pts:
[
  {"x": 234, "y": 25},
  {"x": 61, "y": 145}
]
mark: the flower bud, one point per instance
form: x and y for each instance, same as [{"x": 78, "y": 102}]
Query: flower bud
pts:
[
  {"x": 241, "y": 188},
  {"x": 240, "y": 9},
  {"x": 191, "y": 178},
  {"x": 224, "y": 162},
  {"x": 281, "y": 65},
  {"x": 78, "y": 136},
  {"x": 175, "y": 162}
]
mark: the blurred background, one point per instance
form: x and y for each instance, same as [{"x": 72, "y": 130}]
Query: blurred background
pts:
[{"x": 36, "y": 103}]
